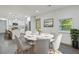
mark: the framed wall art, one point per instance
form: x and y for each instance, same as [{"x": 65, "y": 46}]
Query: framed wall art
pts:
[
  {"x": 49, "y": 22},
  {"x": 38, "y": 24}
]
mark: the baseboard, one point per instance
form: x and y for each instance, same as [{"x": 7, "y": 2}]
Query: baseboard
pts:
[
  {"x": 66, "y": 44},
  {"x": 2, "y": 33}
]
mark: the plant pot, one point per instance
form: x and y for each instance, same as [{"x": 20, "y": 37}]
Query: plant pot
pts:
[{"x": 75, "y": 44}]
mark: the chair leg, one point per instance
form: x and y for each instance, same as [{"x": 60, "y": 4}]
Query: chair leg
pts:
[
  {"x": 32, "y": 49},
  {"x": 55, "y": 51},
  {"x": 26, "y": 51},
  {"x": 50, "y": 45},
  {"x": 18, "y": 51}
]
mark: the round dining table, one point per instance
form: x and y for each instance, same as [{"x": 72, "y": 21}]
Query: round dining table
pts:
[
  {"x": 39, "y": 36},
  {"x": 34, "y": 38}
]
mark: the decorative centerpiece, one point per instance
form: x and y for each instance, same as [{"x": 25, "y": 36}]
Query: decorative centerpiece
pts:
[{"x": 39, "y": 30}]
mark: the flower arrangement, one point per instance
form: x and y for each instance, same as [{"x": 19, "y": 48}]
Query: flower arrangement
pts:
[{"x": 39, "y": 30}]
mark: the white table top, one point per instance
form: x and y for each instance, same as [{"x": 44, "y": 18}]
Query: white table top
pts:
[
  {"x": 30, "y": 37},
  {"x": 41, "y": 36}
]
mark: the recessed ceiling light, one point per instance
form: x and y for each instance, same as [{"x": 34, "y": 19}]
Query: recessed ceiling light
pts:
[
  {"x": 25, "y": 16},
  {"x": 37, "y": 11},
  {"x": 28, "y": 19},
  {"x": 10, "y": 12},
  {"x": 16, "y": 19}
]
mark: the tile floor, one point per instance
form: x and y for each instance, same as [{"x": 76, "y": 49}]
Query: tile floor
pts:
[{"x": 9, "y": 47}]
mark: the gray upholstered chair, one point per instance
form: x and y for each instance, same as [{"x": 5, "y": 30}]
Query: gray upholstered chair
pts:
[
  {"x": 22, "y": 47},
  {"x": 42, "y": 46}
]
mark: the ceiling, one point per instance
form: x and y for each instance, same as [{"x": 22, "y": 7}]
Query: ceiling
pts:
[{"x": 28, "y": 10}]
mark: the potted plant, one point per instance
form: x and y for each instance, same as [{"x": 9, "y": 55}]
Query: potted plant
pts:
[{"x": 74, "y": 36}]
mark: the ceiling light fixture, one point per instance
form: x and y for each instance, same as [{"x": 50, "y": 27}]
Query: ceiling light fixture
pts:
[
  {"x": 37, "y": 11},
  {"x": 28, "y": 19},
  {"x": 25, "y": 16},
  {"x": 10, "y": 13}
]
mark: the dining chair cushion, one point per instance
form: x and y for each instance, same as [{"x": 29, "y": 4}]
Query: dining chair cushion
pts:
[
  {"x": 22, "y": 45},
  {"x": 57, "y": 42},
  {"x": 42, "y": 46},
  {"x": 26, "y": 46}
]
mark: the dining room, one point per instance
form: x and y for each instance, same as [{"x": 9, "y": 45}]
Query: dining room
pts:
[{"x": 38, "y": 29}]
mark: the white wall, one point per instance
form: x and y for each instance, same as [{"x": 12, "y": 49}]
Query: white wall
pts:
[
  {"x": 67, "y": 12},
  {"x": 22, "y": 23},
  {"x": 33, "y": 24},
  {"x": 3, "y": 25}
]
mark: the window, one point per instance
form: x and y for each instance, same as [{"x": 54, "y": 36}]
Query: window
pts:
[{"x": 66, "y": 24}]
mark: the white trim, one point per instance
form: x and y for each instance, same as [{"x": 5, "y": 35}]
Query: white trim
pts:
[{"x": 3, "y": 19}]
